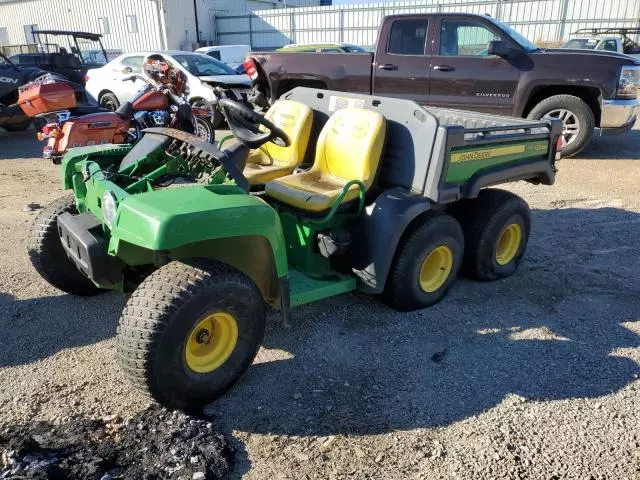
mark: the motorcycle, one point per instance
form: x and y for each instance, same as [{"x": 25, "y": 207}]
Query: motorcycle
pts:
[{"x": 162, "y": 102}]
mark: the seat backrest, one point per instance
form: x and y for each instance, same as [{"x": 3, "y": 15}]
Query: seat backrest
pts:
[
  {"x": 295, "y": 119},
  {"x": 350, "y": 145}
]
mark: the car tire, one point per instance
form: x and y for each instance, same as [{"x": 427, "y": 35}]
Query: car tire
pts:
[
  {"x": 496, "y": 228},
  {"x": 47, "y": 254},
  {"x": 189, "y": 332},
  {"x": 17, "y": 127},
  {"x": 426, "y": 263},
  {"x": 576, "y": 115},
  {"x": 109, "y": 101}
]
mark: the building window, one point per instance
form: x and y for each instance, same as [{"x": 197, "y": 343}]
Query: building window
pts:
[
  {"x": 132, "y": 23},
  {"x": 28, "y": 33},
  {"x": 104, "y": 25}
]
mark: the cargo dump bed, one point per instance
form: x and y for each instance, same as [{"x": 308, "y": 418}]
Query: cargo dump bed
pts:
[{"x": 444, "y": 154}]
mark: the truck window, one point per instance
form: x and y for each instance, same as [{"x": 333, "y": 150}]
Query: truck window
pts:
[
  {"x": 610, "y": 45},
  {"x": 134, "y": 62},
  {"x": 464, "y": 38},
  {"x": 407, "y": 37}
]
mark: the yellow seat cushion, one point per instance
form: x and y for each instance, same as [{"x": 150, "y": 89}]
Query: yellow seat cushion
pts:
[
  {"x": 272, "y": 161},
  {"x": 349, "y": 148}
]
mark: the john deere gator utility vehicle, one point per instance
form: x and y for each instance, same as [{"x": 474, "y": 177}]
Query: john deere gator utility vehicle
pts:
[{"x": 327, "y": 193}]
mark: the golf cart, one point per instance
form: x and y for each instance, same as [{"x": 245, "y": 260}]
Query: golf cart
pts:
[
  {"x": 327, "y": 193},
  {"x": 67, "y": 53}
]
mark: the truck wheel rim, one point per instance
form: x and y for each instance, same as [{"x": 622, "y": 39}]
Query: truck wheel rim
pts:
[
  {"x": 211, "y": 342},
  {"x": 436, "y": 268},
  {"x": 570, "y": 124},
  {"x": 508, "y": 243}
]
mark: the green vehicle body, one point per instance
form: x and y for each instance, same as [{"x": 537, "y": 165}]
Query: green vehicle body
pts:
[{"x": 274, "y": 246}]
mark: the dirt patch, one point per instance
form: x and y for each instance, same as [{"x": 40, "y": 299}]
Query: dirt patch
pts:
[{"x": 155, "y": 443}]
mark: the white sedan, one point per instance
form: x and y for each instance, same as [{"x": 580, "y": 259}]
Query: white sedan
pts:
[{"x": 105, "y": 85}]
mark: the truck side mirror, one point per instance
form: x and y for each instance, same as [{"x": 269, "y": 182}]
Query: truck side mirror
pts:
[
  {"x": 127, "y": 70},
  {"x": 499, "y": 48}
]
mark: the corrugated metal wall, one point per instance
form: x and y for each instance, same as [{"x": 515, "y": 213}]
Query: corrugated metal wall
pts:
[
  {"x": 538, "y": 20},
  {"x": 83, "y": 15}
]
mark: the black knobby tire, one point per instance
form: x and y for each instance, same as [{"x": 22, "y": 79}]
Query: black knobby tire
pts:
[
  {"x": 18, "y": 126},
  {"x": 109, "y": 101},
  {"x": 579, "y": 109},
  {"x": 483, "y": 220},
  {"x": 403, "y": 290},
  {"x": 160, "y": 316},
  {"x": 47, "y": 255}
]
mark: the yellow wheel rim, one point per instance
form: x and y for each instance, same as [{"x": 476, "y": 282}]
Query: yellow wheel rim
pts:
[
  {"x": 508, "y": 243},
  {"x": 211, "y": 342},
  {"x": 436, "y": 268}
]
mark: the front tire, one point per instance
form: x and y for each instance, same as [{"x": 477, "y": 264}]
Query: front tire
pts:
[
  {"x": 109, "y": 101},
  {"x": 496, "y": 229},
  {"x": 189, "y": 332},
  {"x": 577, "y": 118},
  {"x": 426, "y": 263},
  {"x": 205, "y": 131},
  {"x": 47, "y": 254}
]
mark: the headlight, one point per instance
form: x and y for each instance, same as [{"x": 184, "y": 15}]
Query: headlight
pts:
[
  {"x": 109, "y": 208},
  {"x": 629, "y": 82}
]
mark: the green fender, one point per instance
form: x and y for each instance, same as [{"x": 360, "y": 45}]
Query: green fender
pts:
[{"x": 181, "y": 218}]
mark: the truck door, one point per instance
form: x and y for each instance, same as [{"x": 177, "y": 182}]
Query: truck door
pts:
[
  {"x": 401, "y": 66},
  {"x": 464, "y": 75}
]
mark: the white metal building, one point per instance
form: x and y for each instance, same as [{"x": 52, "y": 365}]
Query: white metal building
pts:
[{"x": 127, "y": 25}]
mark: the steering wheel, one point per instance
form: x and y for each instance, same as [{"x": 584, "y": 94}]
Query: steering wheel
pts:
[{"x": 245, "y": 125}]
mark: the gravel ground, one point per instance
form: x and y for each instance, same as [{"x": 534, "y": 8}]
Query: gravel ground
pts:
[{"x": 535, "y": 376}]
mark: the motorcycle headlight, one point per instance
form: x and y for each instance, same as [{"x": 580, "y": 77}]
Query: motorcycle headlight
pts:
[
  {"x": 629, "y": 82},
  {"x": 109, "y": 208}
]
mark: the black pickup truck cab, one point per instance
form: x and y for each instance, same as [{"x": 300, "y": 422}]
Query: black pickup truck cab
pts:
[{"x": 471, "y": 62}]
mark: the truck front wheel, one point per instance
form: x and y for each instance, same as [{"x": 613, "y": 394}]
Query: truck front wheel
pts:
[
  {"x": 496, "y": 229},
  {"x": 47, "y": 254},
  {"x": 577, "y": 118},
  {"x": 426, "y": 263},
  {"x": 189, "y": 332}
]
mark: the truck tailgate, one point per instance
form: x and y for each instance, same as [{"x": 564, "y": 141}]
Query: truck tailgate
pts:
[{"x": 335, "y": 71}]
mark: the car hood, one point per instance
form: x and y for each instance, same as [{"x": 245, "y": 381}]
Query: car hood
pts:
[
  {"x": 587, "y": 53},
  {"x": 238, "y": 80}
]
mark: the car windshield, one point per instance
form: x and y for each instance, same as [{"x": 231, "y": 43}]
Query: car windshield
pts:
[
  {"x": 581, "y": 43},
  {"x": 203, "y": 65},
  {"x": 520, "y": 39}
]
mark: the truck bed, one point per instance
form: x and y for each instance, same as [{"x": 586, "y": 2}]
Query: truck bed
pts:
[{"x": 446, "y": 154}]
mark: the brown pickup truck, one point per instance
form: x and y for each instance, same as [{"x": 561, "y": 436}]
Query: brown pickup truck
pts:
[{"x": 471, "y": 62}]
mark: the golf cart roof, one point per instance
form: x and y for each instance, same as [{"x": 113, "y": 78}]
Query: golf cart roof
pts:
[{"x": 87, "y": 35}]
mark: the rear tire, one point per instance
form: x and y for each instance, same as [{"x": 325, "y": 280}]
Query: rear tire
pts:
[
  {"x": 496, "y": 229},
  {"x": 109, "y": 101},
  {"x": 578, "y": 116},
  {"x": 205, "y": 131},
  {"x": 17, "y": 127},
  {"x": 426, "y": 263},
  {"x": 47, "y": 254},
  {"x": 190, "y": 331}
]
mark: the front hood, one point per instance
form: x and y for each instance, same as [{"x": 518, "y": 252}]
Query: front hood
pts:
[
  {"x": 236, "y": 80},
  {"x": 572, "y": 52}
]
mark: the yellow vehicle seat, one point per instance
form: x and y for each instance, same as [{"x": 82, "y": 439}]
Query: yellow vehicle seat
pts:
[
  {"x": 349, "y": 148},
  {"x": 272, "y": 161}
]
